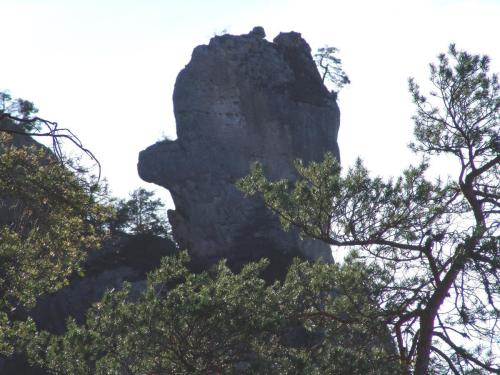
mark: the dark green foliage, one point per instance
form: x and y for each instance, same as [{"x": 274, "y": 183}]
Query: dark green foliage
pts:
[{"x": 221, "y": 322}]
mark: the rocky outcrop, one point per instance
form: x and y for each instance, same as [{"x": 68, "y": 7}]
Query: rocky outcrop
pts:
[
  {"x": 241, "y": 99},
  {"x": 123, "y": 257}
]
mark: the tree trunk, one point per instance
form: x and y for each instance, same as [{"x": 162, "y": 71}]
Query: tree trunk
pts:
[
  {"x": 424, "y": 344},
  {"x": 429, "y": 315}
]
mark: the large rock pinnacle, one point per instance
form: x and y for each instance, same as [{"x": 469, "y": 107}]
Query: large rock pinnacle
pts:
[{"x": 241, "y": 99}]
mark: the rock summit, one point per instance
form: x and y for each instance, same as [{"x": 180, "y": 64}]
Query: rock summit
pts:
[{"x": 241, "y": 99}]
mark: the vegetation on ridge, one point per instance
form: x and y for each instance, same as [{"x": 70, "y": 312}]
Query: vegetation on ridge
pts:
[{"x": 49, "y": 221}]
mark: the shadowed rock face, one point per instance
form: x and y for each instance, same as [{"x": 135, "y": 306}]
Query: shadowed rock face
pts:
[
  {"x": 241, "y": 99},
  {"x": 123, "y": 257}
]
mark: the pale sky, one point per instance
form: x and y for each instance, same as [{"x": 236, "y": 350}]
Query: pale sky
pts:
[{"x": 106, "y": 69}]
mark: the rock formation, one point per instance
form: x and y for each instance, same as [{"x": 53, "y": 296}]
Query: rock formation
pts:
[{"x": 241, "y": 99}]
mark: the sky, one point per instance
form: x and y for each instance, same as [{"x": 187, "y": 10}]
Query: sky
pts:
[{"x": 106, "y": 69}]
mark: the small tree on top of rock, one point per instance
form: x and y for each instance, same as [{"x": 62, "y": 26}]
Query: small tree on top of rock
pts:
[{"x": 330, "y": 67}]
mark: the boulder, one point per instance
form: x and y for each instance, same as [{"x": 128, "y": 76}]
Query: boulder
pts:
[{"x": 242, "y": 99}]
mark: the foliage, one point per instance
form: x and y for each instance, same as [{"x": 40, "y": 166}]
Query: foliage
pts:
[
  {"x": 48, "y": 222},
  {"x": 221, "y": 322},
  {"x": 330, "y": 67},
  {"x": 20, "y": 108},
  {"x": 141, "y": 214},
  {"x": 437, "y": 240}
]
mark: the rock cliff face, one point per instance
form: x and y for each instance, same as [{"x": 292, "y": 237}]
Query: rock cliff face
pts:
[{"x": 241, "y": 99}]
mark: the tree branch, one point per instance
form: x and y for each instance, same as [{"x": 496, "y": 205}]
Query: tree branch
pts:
[
  {"x": 463, "y": 353},
  {"x": 53, "y": 132}
]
